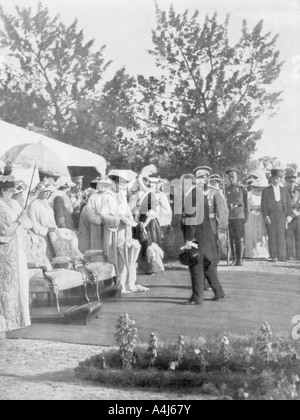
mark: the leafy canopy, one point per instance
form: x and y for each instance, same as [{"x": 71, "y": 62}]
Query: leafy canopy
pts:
[{"x": 211, "y": 93}]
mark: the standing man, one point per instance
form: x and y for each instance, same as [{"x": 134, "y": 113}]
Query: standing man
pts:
[
  {"x": 237, "y": 201},
  {"x": 205, "y": 212},
  {"x": 77, "y": 199},
  {"x": 216, "y": 181},
  {"x": 293, "y": 230},
  {"x": 277, "y": 212}
]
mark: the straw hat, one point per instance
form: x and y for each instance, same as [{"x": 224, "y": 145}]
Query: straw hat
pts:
[
  {"x": 40, "y": 187},
  {"x": 260, "y": 182}
]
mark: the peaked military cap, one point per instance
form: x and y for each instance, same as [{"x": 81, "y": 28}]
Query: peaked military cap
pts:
[{"x": 202, "y": 170}]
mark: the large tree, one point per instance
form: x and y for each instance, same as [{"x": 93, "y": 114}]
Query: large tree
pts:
[
  {"x": 211, "y": 93},
  {"x": 53, "y": 69}
]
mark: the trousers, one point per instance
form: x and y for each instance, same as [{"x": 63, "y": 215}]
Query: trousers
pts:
[
  {"x": 277, "y": 235},
  {"x": 293, "y": 240},
  {"x": 205, "y": 268}
]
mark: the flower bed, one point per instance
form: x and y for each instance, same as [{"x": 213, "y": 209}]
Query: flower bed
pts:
[{"x": 258, "y": 365}]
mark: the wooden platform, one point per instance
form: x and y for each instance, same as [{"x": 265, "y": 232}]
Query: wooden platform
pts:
[{"x": 253, "y": 298}]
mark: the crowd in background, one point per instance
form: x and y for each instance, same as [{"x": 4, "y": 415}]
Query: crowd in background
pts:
[{"x": 129, "y": 217}]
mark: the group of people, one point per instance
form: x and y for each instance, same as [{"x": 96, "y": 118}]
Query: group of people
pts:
[
  {"x": 264, "y": 216},
  {"x": 128, "y": 217}
]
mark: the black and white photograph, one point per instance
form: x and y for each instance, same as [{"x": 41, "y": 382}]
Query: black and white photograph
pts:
[{"x": 150, "y": 202}]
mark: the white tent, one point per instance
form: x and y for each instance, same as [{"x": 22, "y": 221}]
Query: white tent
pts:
[{"x": 12, "y": 135}]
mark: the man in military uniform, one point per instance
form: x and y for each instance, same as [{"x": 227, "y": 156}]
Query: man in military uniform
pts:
[
  {"x": 293, "y": 230},
  {"x": 237, "y": 201},
  {"x": 216, "y": 181},
  {"x": 201, "y": 224}
]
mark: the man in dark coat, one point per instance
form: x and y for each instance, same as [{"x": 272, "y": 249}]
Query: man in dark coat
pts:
[
  {"x": 293, "y": 230},
  {"x": 205, "y": 213},
  {"x": 237, "y": 201},
  {"x": 277, "y": 212}
]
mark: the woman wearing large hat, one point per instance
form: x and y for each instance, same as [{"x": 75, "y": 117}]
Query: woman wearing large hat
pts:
[
  {"x": 117, "y": 221},
  {"x": 256, "y": 235},
  {"x": 14, "y": 283}
]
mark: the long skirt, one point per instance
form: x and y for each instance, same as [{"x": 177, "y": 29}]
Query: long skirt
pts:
[{"x": 14, "y": 284}]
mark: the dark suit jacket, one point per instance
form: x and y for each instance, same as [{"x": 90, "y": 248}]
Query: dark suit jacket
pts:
[
  {"x": 268, "y": 202},
  {"x": 199, "y": 227}
]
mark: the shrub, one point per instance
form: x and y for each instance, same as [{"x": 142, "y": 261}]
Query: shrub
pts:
[
  {"x": 126, "y": 337},
  {"x": 259, "y": 365}
]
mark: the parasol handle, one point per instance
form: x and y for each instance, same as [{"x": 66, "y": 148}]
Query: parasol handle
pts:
[{"x": 30, "y": 187}]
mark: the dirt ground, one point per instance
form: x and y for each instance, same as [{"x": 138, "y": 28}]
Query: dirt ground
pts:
[{"x": 41, "y": 370}]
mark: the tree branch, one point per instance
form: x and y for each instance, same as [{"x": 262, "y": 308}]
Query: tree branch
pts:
[{"x": 194, "y": 80}]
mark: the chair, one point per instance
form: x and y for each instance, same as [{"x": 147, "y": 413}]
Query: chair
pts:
[
  {"x": 43, "y": 278},
  {"x": 93, "y": 263}
]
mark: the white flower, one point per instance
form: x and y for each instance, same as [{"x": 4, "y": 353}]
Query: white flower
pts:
[
  {"x": 173, "y": 365},
  {"x": 225, "y": 341},
  {"x": 249, "y": 351},
  {"x": 197, "y": 352}
]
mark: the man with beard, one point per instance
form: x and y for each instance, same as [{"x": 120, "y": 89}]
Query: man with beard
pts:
[{"x": 205, "y": 212}]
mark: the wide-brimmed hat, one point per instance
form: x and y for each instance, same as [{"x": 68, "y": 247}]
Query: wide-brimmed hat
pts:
[
  {"x": 260, "y": 182},
  {"x": 20, "y": 187},
  {"x": 66, "y": 185},
  {"x": 291, "y": 174},
  {"x": 125, "y": 174},
  {"x": 104, "y": 183},
  {"x": 7, "y": 181},
  {"x": 40, "y": 187},
  {"x": 202, "y": 170}
]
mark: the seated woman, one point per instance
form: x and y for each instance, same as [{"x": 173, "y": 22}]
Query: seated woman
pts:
[
  {"x": 42, "y": 216},
  {"x": 14, "y": 287}
]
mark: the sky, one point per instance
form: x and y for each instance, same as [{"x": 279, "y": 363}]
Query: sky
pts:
[{"x": 125, "y": 26}]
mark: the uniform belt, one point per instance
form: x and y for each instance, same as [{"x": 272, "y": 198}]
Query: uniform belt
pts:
[{"x": 212, "y": 216}]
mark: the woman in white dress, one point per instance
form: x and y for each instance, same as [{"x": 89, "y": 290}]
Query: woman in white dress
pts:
[
  {"x": 256, "y": 237},
  {"x": 117, "y": 221},
  {"x": 42, "y": 217},
  {"x": 14, "y": 282}
]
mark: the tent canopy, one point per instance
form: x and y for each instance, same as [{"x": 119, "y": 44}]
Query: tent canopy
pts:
[{"x": 12, "y": 135}]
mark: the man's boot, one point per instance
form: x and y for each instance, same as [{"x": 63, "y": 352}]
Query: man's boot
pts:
[
  {"x": 240, "y": 253},
  {"x": 233, "y": 254}
]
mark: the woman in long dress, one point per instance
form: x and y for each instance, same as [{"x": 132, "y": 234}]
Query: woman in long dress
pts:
[
  {"x": 42, "y": 216},
  {"x": 14, "y": 282},
  {"x": 256, "y": 236},
  {"x": 148, "y": 231},
  {"x": 118, "y": 242}
]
